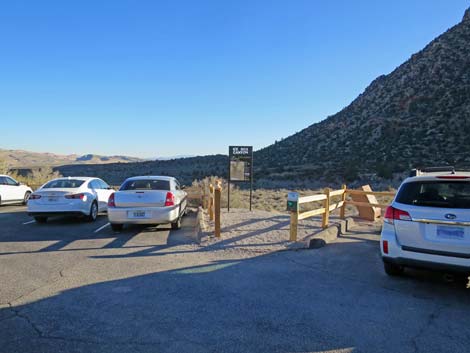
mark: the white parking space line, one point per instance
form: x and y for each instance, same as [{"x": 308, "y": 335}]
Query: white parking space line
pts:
[
  {"x": 102, "y": 227},
  {"x": 33, "y": 221}
]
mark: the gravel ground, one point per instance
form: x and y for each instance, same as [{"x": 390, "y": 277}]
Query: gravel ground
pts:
[{"x": 256, "y": 231}]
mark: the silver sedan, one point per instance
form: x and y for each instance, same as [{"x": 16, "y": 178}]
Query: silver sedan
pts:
[{"x": 148, "y": 200}]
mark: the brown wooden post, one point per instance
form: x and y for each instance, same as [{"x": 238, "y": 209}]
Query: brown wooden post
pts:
[
  {"x": 294, "y": 221},
  {"x": 211, "y": 202},
  {"x": 217, "y": 197},
  {"x": 326, "y": 205},
  {"x": 204, "y": 197},
  {"x": 343, "y": 198}
]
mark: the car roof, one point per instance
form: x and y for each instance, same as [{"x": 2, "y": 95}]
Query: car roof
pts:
[
  {"x": 158, "y": 177},
  {"x": 439, "y": 176},
  {"x": 76, "y": 178}
]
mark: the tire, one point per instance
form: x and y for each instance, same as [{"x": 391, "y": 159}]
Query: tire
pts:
[
  {"x": 116, "y": 227},
  {"x": 177, "y": 224},
  {"x": 40, "y": 219},
  {"x": 26, "y": 197},
  {"x": 93, "y": 212},
  {"x": 393, "y": 270}
]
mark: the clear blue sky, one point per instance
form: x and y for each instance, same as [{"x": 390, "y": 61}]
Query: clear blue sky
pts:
[{"x": 162, "y": 78}]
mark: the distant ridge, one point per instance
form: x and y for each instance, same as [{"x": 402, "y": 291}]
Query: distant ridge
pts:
[{"x": 27, "y": 159}]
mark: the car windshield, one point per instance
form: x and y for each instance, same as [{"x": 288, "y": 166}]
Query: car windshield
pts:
[
  {"x": 63, "y": 184},
  {"x": 146, "y": 184},
  {"x": 447, "y": 194}
]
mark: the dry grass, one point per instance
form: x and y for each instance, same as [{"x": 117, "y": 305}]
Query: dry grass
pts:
[
  {"x": 35, "y": 179},
  {"x": 267, "y": 199}
]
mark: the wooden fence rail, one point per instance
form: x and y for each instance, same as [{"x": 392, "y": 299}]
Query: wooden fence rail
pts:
[{"x": 328, "y": 205}]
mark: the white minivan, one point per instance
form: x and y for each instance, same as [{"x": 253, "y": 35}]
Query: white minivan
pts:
[{"x": 11, "y": 191}]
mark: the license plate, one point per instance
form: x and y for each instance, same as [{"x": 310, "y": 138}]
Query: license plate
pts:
[
  {"x": 137, "y": 214},
  {"x": 450, "y": 232},
  {"x": 52, "y": 199}
]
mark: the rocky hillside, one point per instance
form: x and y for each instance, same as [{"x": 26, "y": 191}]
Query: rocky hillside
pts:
[
  {"x": 27, "y": 159},
  {"x": 417, "y": 115}
]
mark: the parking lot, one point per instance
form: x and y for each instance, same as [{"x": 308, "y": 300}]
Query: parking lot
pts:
[{"x": 73, "y": 286}]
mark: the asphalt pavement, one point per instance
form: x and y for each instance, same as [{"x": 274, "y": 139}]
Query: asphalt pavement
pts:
[{"x": 73, "y": 286}]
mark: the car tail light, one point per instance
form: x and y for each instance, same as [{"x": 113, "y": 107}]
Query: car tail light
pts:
[
  {"x": 111, "y": 202},
  {"x": 385, "y": 246},
  {"x": 393, "y": 213},
  {"x": 170, "y": 199},
  {"x": 76, "y": 197},
  {"x": 34, "y": 197}
]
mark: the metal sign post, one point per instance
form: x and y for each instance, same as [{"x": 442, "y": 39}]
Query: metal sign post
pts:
[{"x": 240, "y": 168}]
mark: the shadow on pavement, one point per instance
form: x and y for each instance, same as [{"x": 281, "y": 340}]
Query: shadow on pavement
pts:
[{"x": 284, "y": 302}]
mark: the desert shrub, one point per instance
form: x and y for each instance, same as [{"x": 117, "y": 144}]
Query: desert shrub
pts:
[
  {"x": 37, "y": 176},
  {"x": 4, "y": 168}
]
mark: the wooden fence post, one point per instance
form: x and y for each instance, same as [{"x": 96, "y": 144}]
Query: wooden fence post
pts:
[
  {"x": 343, "y": 198},
  {"x": 204, "y": 198},
  {"x": 326, "y": 205},
  {"x": 294, "y": 221},
  {"x": 211, "y": 202},
  {"x": 217, "y": 196}
]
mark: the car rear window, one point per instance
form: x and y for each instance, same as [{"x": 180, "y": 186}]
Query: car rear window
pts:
[
  {"x": 64, "y": 184},
  {"x": 447, "y": 194},
  {"x": 146, "y": 184}
]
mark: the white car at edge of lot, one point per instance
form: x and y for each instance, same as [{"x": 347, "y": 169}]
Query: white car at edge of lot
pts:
[
  {"x": 72, "y": 196},
  {"x": 12, "y": 191},
  {"x": 148, "y": 200},
  {"x": 428, "y": 223}
]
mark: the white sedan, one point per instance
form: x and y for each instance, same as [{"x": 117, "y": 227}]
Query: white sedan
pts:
[
  {"x": 74, "y": 196},
  {"x": 147, "y": 200},
  {"x": 12, "y": 191}
]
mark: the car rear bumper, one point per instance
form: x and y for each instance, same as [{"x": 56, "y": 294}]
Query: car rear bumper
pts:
[
  {"x": 154, "y": 215},
  {"x": 426, "y": 264},
  {"x": 61, "y": 213},
  {"x": 77, "y": 209},
  {"x": 399, "y": 256}
]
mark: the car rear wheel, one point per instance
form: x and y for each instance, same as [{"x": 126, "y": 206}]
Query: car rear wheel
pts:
[
  {"x": 393, "y": 270},
  {"x": 26, "y": 197},
  {"x": 40, "y": 219},
  {"x": 177, "y": 224},
  {"x": 93, "y": 212},
  {"x": 116, "y": 227}
]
